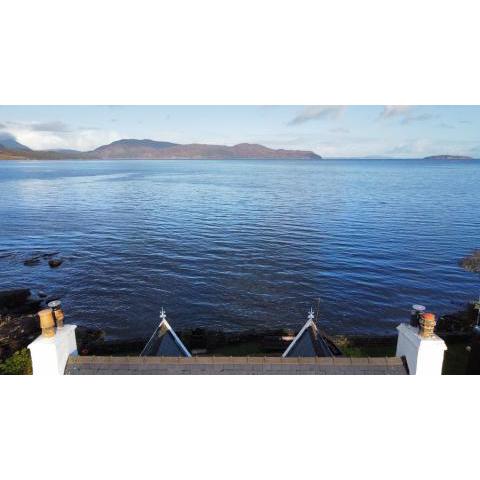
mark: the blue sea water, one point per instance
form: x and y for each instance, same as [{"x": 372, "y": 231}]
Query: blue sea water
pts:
[{"x": 242, "y": 244}]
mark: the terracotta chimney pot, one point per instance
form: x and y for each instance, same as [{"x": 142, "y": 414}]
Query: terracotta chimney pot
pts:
[
  {"x": 427, "y": 324},
  {"x": 47, "y": 322}
]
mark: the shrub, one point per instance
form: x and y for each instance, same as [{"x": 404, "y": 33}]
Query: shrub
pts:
[{"x": 19, "y": 363}]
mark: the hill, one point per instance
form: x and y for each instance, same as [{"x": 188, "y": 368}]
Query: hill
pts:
[
  {"x": 9, "y": 142},
  {"x": 448, "y": 157},
  {"x": 166, "y": 151},
  {"x": 132, "y": 148},
  {"x": 155, "y": 150}
]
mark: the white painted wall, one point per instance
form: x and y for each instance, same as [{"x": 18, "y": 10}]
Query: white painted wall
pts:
[
  {"x": 50, "y": 354},
  {"x": 424, "y": 355}
]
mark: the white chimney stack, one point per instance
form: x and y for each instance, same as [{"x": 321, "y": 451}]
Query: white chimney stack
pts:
[
  {"x": 50, "y": 351},
  {"x": 422, "y": 349}
]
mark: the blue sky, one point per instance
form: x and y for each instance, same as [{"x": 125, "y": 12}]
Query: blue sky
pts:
[{"x": 331, "y": 131}]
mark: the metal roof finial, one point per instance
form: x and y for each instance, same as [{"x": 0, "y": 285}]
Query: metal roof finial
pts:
[
  {"x": 163, "y": 316},
  {"x": 311, "y": 314}
]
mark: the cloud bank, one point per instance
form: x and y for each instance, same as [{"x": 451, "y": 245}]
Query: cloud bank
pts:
[
  {"x": 317, "y": 112},
  {"x": 393, "y": 111},
  {"x": 58, "y": 135}
]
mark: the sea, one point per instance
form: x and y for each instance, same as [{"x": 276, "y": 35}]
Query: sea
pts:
[{"x": 235, "y": 245}]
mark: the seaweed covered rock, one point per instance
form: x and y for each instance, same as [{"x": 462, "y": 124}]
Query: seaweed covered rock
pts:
[
  {"x": 18, "y": 322},
  {"x": 30, "y": 262},
  {"x": 88, "y": 339},
  {"x": 18, "y": 302},
  {"x": 55, "y": 262},
  {"x": 459, "y": 322},
  {"x": 471, "y": 263},
  {"x": 13, "y": 298},
  {"x": 16, "y": 332}
]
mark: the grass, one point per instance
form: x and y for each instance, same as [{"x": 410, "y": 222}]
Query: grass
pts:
[
  {"x": 456, "y": 359},
  {"x": 455, "y": 363},
  {"x": 252, "y": 349},
  {"x": 368, "y": 351},
  {"x": 20, "y": 363}
]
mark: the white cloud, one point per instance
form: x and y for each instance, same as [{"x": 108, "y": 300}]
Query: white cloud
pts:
[
  {"x": 363, "y": 146},
  {"x": 340, "y": 130},
  {"x": 417, "y": 118},
  {"x": 422, "y": 147},
  {"x": 317, "y": 112},
  {"x": 56, "y": 135},
  {"x": 405, "y": 113},
  {"x": 392, "y": 111},
  {"x": 414, "y": 147},
  {"x": 50, "y": 127}
]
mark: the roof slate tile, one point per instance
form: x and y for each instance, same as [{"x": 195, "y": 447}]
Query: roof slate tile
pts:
[{"x": 233, "y": 366}]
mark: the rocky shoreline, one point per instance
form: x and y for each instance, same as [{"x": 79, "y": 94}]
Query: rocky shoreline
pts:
[{"x": 19, "y": 325}]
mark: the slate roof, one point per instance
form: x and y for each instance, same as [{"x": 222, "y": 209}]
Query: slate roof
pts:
[
  {"x": 165, "y": 343},
  {"x": 309, "y": 342},
  {"x": 90, "y": 365}
]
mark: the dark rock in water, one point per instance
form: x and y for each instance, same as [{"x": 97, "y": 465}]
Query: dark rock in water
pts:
[
  {"x": 14, "y": 298},
  {"x": 36, "y": 257},
  {"x": 471, "y": 263},
  {"x": 31, "y": 306},
  {"x": 41, "y": 294},
  {"x": 459, "y": 322},
  {"x": 18, "y": 302},
  {"x": 55, "y": 262},
  {"x": 87, "y": 338},
  {"x": 30, "y": 262},
  {"x": 49, "y": 255}
]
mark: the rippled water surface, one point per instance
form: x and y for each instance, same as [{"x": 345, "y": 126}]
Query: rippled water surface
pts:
[{"x": 242, "y": 244}]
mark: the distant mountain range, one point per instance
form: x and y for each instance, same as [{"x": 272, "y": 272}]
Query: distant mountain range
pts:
[
  {"x": 151, "y": 149},
  {"x": 8, "y": 142},
  {"x": 448, "y": 157},
  {"x": 11, "y": 149}
]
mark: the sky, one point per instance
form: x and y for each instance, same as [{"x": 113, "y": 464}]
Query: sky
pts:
[{"x": 330, "y": 131}]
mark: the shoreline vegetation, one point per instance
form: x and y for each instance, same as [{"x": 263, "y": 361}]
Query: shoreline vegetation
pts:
[{"x": 19, "y": 326}]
